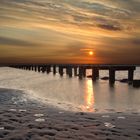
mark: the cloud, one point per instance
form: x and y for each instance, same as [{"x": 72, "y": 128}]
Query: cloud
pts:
[
  {"x": 136, "y": 41},
  {"x": 66, "y": 9},
  {"x": 15, "y": 42},
  {"x": 61, "y": 23},
  {"x": 110, "y": 27}
]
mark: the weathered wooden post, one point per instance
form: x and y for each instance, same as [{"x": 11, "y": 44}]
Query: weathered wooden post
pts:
[
  {"x": 39, "y": 68},
  {"x": 48, "y": 68},
  {"x": 29, "y": 67},
  {"x": 130, "y": 76},
  {"x": 35, "y": 68},
  {"x": 61, "y": 70},
  {"x": 75, "y": 71},
  {"x": 67, "y": 70},
  {"x": 95, "y": 73},
  {"x": 70, "y": 71},
  {"x": 54, "y": 69},
  {"x": 43, "y": 69},
  {"x": 84, "y": 72},
  {"x": 80, "y": 72},
  {"x": 111, "y": 76}
]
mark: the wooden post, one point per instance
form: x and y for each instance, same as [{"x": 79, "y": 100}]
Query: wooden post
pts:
[
  {"x": 38, "y": 68},
  {"x": 84, "y": 72},
  {"x": 29, "y": 67},
  {"x": 67, "y": 70},
  {"x": 80, "y": 72},
  {"x": 26, "y": 67},
  {"x": 75, "y": 71},
  {"x": 70, "y": 71},
  {"x": 35, "y": 68},
  {"x": 111, "y": 76},
  {"x": 61, "y": 70},
  {"x": 54, "y": 69},
  {"x": 43, "y": 69},
  {"x": 48, "y": 68},
  {"x": 130, "y": 75},
  {"x": 95, "y": 73},
  {"x": 32, "y": 67}
]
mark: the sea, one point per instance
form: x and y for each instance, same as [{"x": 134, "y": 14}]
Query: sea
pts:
[{"x": 74, "y": 94}]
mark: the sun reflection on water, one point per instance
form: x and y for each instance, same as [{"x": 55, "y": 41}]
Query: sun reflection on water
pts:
[{"x": 88, "y": 97}]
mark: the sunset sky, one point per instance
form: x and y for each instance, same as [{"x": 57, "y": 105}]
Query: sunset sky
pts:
[{"x": 65, "y": 31}]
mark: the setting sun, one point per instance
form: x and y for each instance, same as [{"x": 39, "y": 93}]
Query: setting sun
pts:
[{"x": 90, "y": 52}]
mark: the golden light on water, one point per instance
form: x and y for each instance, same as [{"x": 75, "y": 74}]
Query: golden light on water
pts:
[{"x": 89, "y": 97}]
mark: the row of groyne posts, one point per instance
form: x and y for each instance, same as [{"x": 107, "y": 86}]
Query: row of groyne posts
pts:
[{"x": 80, "y": 70}]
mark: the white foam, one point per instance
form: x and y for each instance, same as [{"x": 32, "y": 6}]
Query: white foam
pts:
[
  {"x": 13, "y": 110},
  {"x": 38, "y": 115},
  {"x": 121, "y": 117},
  {"x": 105, "y": 116},
  {"x": 40, "y": 120},
  {"x": 109, "y": 125},
  {"x": 22, "y": 110},
  {"x": 60, "y": 112},
  {"x": 2, "y": 128}
]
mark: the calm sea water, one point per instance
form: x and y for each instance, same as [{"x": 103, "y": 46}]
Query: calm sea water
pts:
[{"x": 75, "y": 94}]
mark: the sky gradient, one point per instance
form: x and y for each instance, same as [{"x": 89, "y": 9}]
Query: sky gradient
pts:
[{"x": 64, "y": 31}]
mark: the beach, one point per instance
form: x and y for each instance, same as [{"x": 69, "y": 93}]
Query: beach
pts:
[
  {"x": 23, "y": 118},
  {"x": 31, "y": 110}
]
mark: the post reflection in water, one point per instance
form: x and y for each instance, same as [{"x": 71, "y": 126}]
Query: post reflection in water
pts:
[{"x": 89, "y": 97}]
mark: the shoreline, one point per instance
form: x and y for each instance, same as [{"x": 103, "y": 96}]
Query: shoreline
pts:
[
  {"x": 86, "y": 94},
  {"x": 26, "y": 119}
]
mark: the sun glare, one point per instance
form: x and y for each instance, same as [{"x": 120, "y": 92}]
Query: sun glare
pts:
[{"x": 90, "y": 52}]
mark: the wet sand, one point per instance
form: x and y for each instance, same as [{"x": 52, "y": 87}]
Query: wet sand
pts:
[{"x": 27, "y": 119}]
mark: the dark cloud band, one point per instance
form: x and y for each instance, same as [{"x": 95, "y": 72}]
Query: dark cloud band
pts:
[
  {"x": 15, "y": 42},
  {"x": 110, "y": 27}
]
